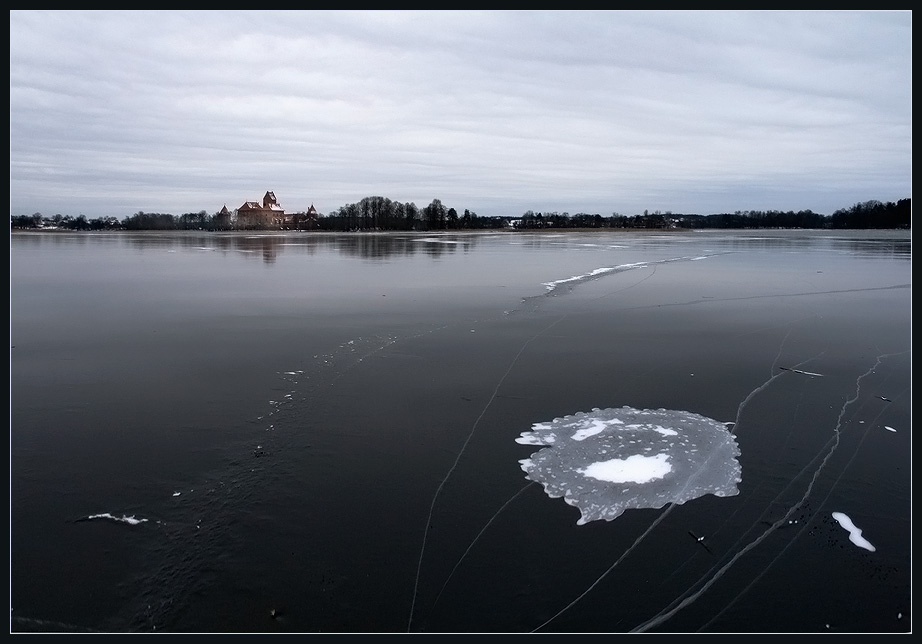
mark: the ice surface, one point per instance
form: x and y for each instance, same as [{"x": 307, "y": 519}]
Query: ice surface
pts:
[{"x": 609, "y": 460}]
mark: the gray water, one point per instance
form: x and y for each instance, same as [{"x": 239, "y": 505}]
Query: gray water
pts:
[{"x": 314, "y": 432}]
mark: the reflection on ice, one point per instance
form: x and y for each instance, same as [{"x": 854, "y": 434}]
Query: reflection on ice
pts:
[
  {"x": 609, "y": 460},
  {"x": 437, "y": 240}
]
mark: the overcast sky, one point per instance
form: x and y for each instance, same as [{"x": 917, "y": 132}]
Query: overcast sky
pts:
[{"x": 498, "y": 112}]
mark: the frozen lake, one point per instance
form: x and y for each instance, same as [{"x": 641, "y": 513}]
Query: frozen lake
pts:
[{"x": 314, "y": 432}]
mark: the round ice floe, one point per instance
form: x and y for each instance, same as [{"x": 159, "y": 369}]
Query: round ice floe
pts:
[{"x": 609, "y": 460}]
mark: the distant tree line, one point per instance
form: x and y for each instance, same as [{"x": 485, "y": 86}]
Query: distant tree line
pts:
[
  {"x": 869, "y": 214},
  {"x": 381, "y": 213}
]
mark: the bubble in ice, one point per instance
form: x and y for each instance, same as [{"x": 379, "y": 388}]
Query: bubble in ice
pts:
[{"x": 610, "y": 460}]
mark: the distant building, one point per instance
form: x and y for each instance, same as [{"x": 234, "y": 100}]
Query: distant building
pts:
[
  {"x": 302, "y": 220},
  {"x": 268, "y": 215},
  {"x": 223, "y": 220}
]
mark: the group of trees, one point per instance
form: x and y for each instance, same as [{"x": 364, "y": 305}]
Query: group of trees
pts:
[
  {"x": 65, "y": 222},
  {"x": 869, "y": 214},
  {"x": 380, "y": 213},
  {"x": 138, "y": 221}
]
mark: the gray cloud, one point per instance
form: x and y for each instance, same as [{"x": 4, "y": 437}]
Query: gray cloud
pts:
[{"x": 112, "y": 112}]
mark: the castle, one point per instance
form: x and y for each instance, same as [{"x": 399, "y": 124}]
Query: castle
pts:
[{"x": 270, "y": 214}]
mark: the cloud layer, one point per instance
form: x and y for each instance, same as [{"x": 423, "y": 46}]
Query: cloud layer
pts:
[{"x": 498, "y": 112}]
